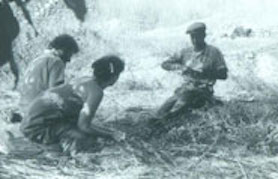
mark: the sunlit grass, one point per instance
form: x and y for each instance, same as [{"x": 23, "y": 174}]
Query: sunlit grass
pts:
[{"x": 236, "y": 140}]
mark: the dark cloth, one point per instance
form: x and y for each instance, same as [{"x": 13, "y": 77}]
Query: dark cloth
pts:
[
  {"x": 185, "y": 97},
  {"x": 78, "y": 7},
  {"x": 8, "y": 23},
  {"x": 52, "y": 114},
  {"x": 193, "y": 96},
  {"x": 9, "y": 29},
  {"x": 5, "y": 50}
]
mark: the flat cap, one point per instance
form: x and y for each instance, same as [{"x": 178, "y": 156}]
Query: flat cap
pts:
[{"x": 196, "y": 27}]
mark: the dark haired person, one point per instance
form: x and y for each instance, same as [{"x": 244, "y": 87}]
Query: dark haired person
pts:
[
  {"x": 64, "y": 114},
  {"x": 48, "y": 70},
  {"x": 201, "y": 66}
]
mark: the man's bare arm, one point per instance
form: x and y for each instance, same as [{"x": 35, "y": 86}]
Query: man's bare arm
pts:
[{"x": 87, "y": 114}]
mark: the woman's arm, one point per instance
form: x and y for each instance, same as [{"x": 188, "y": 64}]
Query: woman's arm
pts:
[{"x": 87, "y": 114}]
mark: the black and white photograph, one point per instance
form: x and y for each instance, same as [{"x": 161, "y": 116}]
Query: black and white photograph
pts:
[{"x": 138, "y": 89}]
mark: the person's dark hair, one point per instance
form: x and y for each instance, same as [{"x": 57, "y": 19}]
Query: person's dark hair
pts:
[
  {"x": 64, "y": 42},
  {"x": 108, "y": 66}
]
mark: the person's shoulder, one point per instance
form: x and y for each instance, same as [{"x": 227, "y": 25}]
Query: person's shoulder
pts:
[
  {"x": 94, "y": 93},
  {"x": 51, "y": 58},
  {"x": 213, "y": 49},
  {"x": 187, "y": 50},
  {"x": 46, "y": 59},
  {"x": 95, "y": 89},
  {"x": 54, "y": 60},
  {"x": 80, "y": 80},
  {"x": 90, "y": 87}
]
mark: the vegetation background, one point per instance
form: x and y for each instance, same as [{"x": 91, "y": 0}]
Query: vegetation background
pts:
[{"x": 236, "y": 140}]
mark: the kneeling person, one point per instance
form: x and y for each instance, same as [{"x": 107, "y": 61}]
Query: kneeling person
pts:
[
  {"x": 46, "y": 71},
  {"x": 64, "y": 114},
  {"x": 201, "y": 66}
]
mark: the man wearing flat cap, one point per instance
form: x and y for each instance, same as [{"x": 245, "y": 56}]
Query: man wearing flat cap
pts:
[{"x": 201, "y": 65}]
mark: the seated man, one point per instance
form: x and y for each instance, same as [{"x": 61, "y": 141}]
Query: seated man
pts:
[
  {"x": 64, "y": 114},
  {"x": 201, "y": 66}
]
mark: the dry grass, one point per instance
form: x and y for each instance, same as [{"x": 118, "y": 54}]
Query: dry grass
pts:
[{"x": 236, "y": 140}]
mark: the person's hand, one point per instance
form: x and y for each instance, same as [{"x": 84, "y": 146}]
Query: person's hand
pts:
[
  {"x": 192, "y": 73},
  {"x": 119, "y": 136},
  {"x": 187, "y": 71}
]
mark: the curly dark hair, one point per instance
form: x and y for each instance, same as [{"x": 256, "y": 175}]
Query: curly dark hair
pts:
[
  {"x": 64, "y": 42},
  {"x": 107, "y": 67}
]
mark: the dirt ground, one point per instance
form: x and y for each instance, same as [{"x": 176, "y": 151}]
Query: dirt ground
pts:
[{"x": 237, "y": 139}]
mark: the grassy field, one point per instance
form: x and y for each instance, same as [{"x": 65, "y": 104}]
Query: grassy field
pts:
[{"x": 235, "y": 140}]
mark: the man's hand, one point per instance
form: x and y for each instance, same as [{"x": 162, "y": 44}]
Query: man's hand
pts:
[
  {"x": 119, "y": 136},
  {"x": 170, "y": 66},
  {"x": 174, "y": 62}
]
